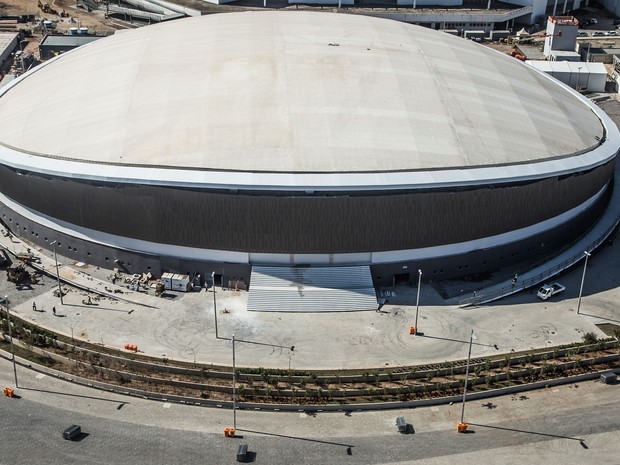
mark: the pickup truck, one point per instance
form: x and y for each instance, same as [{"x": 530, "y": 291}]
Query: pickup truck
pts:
[{"x": 550, "y": 289}]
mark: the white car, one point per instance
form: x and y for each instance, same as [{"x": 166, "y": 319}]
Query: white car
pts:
[
  {"x": 598, "y": 34},
  {"x": 611, "y": 33}
]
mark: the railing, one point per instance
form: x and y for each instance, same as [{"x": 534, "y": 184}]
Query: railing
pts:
[{"x": 521, "y": 285}]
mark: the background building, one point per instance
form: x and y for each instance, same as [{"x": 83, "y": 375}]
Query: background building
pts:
[{"x": 53, "y": 45}]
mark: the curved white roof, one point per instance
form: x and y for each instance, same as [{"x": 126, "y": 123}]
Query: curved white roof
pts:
[{"x": 294, "y": 92}]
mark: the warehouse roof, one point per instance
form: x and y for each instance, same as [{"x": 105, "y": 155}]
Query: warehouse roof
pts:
[{"x": 67, "y": 41}]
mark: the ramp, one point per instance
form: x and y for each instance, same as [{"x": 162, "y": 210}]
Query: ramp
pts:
[{"x": 311, "y": 289}]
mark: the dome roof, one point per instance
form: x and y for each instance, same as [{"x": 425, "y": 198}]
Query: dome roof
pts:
[{"x": 293, "y": 92}]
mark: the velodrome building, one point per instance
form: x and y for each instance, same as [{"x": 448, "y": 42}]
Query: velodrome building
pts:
[{"x": 218, "y": 143}]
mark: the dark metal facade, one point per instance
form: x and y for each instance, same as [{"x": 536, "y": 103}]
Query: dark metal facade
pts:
[
  {"x": 302, "y": 224},
  {"x": 289, "y": 224}
]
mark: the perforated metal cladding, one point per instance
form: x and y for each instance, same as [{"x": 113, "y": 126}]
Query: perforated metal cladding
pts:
[{"x": 301, "y": 224}]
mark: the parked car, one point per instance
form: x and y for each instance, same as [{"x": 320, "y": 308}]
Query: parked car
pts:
[
  {"x": 598, "y": 34},
  {"x": 582, "y": 34},
  {"x": 550, "y": 289},
  {"x": 611, "y": 33}
]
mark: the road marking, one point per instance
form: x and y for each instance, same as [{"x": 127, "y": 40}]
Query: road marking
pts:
[
  {"x": 434, "y": 409},
  {"x": 167, "y": 405},
  {"x": 555, "y": 390},
  {"x": 40, "y": 376}
]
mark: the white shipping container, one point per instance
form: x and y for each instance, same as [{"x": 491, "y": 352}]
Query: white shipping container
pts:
[
  {"x": 180, "y": 282},
  {"x": 175, "y": 282},
  {"x": 166, "y": 278}
]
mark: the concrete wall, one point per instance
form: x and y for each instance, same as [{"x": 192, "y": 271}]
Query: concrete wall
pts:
[
  {"x": 538, "y": 11},
  {"x": 421, "y": 3},
  {"x": 612, "y": 5}
]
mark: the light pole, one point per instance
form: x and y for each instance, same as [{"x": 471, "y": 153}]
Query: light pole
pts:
[
  {"x": 583, "y": 277},
  {"x": 417, "y": 303},
  {"x": 578, "y": 78},
  {"x": 57, "y": 274},
  {"x": 214, "y": 304},
  {"x": 234, "y": 386},
  {"x": 8, "y": 320},
  {"x": 471, "y": 340}
]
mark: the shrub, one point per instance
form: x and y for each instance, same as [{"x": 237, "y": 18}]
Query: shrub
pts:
[{"x": 589, "y": 338}]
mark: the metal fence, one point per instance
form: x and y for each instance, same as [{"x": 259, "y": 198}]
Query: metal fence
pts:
[{"x": 483, "y": 297}]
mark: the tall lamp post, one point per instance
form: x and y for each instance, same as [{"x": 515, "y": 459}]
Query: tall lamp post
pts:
[
  {"x": 578, "y": 78},
  {"x": 234, "y": 385},
  {"x": 462, "y": 425},
  {"x": 57, "y": 274},
  {"x": 417, "y": 303},
  {"x": 8, "y": 320},
  {"x": 214, "y": 303},
  {"x": 583, "y": 277}
]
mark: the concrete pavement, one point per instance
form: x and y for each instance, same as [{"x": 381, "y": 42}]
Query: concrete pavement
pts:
[{"x": 182, "y": 326}]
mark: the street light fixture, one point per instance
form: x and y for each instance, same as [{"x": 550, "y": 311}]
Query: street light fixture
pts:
[
  {"x": 214, "y": 303},
  {"x": 578, "y": 77},
  {"x": 462, "y": 425},
  {"x": 583, "y": 277},
  {"x": 57, "y": 274},
  {"x": 8, "y": 320},
  {"x": 417, "y": 303}
]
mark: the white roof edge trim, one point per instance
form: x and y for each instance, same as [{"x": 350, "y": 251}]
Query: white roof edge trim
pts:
[{"x": 309, "y": 182}]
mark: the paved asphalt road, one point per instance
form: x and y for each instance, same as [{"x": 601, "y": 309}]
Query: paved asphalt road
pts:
[
  {"x": 544, "y": 425},
  {"x": 31, "y": 435}
]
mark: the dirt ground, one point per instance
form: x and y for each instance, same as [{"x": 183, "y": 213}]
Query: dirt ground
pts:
[{"x": 95, "y": 21}]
